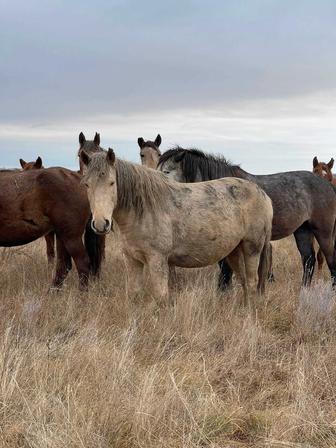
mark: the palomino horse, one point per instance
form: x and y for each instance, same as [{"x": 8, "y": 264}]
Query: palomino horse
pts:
[
  {"x": 34, "y": 203},
  {"x": 323, "y": 170},
  {"x": 165, "y": 223},
  {"x": 50, "y": 238},
  {"x": 149, "y": 152},
  {"x": 299, "y": 202}
]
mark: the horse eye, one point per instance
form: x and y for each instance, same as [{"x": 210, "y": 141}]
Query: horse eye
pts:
[
  {"x": 86, "y": 184},
  {"x": 166, "y": 172},
  {"x": 112, "y": 183},
  {"x": 142, "y": 156}
]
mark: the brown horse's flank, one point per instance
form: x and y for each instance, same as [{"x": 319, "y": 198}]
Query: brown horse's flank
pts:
[{"x": 49, "y": 200}]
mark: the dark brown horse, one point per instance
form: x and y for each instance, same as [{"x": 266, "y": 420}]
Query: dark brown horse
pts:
[
  {"x": 323, "y": 170},
  {"x": 50, "y": 238},
  {"x": 34, "y": 203},
  {"x": 299, "y": 203}
]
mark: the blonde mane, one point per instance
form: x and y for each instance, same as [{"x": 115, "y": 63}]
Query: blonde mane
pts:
[{"x": 139, "y": 188}]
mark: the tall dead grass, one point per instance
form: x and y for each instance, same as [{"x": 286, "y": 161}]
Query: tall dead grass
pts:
[{"x": 101, "y": 370}]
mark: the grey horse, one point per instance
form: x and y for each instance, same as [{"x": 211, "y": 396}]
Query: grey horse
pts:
[{"x": 300, "y": 200}]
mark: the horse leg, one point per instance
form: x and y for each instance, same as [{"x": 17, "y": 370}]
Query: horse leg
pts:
[
  {"x": 158, "y": 273},
  {"x": 172, "y": 278},
  {"x": 326, "y": 243},
  {"x": 270, "y": 272},
  {"x": 50, "y": 241},
  {"x": 237, "y": 264},
  {"x": 305, "y": 244},
  {"x": 62, "y": 265},
  {"x": 320, "y": 259},
  {"x": 225, "y": 275},
  {"x": 134, "y": 272},
  {"x": 75, "y": 248}
]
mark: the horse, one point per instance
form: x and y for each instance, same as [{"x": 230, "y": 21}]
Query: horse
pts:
[
  {"x": 34, "y": 165},
  {"x": 34, "y": 203},
  {"x": 299, "y": 202},
  {"x": 165, "y": 223},
  {"x": 323, "y": 170},
  {"x": 50, "y": 238},
  {"x": 150, "y": 152},
  {"x": 89, "y": 146}
]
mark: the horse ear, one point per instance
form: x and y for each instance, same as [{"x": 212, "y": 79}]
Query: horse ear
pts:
[
  {"x": 141, "y": 142},
  {"x": 82, "y": 139},
  {"x": 315, "y": 162},
  {"x": 23, "y": 163},
  {"x": 96, "y": 139},
  {"x": 85, "y": 158},
  {"x": 38, "y": 163},
  {"x": 331, "y": 163},
  {"x": 158, "y": 140},
  {"x": 179, "y": 157},
  {"x": 110, "y": 156}
]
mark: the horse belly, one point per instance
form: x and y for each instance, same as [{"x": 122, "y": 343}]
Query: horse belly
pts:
[
  {"x": 20, "y": 233},
  {"x": 196, "y": 255}
]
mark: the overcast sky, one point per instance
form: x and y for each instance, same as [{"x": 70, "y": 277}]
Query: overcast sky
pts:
[{"x": 254, "y": 80}]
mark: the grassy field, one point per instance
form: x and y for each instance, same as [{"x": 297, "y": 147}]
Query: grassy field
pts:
[{"x": 101, "y": 370}]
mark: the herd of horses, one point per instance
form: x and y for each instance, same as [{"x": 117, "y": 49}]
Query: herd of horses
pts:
[{"x": 181, "y": 208}]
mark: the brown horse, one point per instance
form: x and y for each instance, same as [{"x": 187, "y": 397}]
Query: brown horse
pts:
[
  {"x": 36, "y": 202},
  {"x": 323, "y": 170},
  {"x": 34, "y": 165},
  {"x": 149, "y": 152},
  {"x": 50, "y": 238}
]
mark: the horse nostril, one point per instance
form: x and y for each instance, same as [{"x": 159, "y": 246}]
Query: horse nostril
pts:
[{"x": 107, "y": 224}]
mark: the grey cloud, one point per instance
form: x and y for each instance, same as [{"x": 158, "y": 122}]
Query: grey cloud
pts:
[{"x": 81, "y": 58}]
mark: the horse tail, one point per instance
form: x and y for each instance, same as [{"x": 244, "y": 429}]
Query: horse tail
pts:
[
  {"x": 95, "y": 247},
  {"x": 265, "y": 265}
]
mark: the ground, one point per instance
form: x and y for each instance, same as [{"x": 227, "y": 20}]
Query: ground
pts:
[{"x": 101, "y": 370}]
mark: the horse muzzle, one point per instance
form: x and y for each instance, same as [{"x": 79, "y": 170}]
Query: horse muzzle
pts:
[{"x": 102, "y": 228}]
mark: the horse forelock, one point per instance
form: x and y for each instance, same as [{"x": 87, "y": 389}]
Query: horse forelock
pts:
[
  {"x": 151, "y": 145},
  {"x": 138, "y": 188},
  {"x": 196, "y": 162}
]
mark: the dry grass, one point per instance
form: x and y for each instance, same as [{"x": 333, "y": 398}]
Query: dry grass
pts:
[{"x": 100, "y": 370}]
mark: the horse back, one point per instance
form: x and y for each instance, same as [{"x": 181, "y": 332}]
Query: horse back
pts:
[{"x": 60, "y": 191}]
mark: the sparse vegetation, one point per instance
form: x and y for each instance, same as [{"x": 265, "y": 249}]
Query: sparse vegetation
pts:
[{"x": 101, "y": 370}]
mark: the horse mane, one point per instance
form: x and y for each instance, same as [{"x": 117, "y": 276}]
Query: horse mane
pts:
[
  {"x": 138, "y": 188},
  {"x": 194, "y": 161}
]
